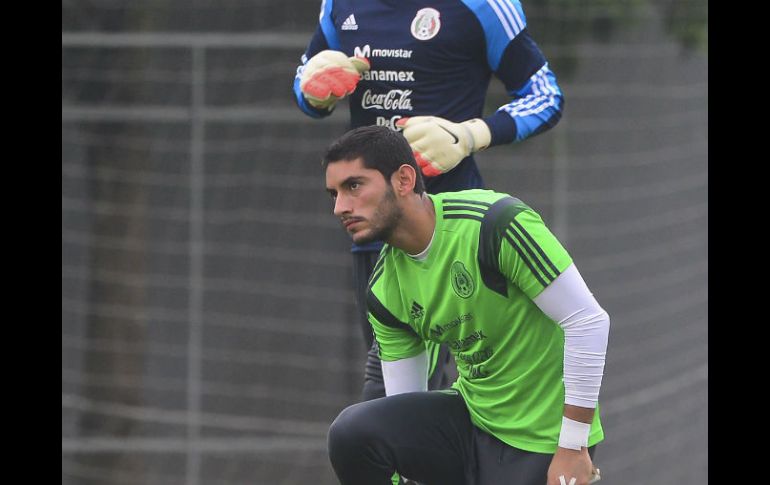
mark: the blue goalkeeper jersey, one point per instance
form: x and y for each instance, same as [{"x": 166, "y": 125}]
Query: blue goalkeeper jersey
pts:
[{"x": 437, "y": 58}]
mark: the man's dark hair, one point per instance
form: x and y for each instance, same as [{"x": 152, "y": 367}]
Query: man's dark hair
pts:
[{"x": 379, "y": 148}]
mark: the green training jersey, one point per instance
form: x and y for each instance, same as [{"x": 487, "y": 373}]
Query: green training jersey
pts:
[{"x": 491, "y": 255}]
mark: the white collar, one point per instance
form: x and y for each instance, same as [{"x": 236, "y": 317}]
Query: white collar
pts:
[{"x": 423, "y": 255}]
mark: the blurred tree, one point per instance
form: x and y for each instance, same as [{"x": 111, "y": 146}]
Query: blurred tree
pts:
[
  {"x": 115, "y": 327},
  {"x": 560, "y": 26},
  {"x": 567, "y": 23},
  {"x": 687, "y": 22}
]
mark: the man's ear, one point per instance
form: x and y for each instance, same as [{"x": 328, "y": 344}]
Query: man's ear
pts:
[{"x": 403, "y": 179}]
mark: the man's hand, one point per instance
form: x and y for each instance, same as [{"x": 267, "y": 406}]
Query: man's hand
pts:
[
  {"x": 330, "y": 76},
  {"x": 439, "y": 145},
  {"x": 572, "y": 467}
]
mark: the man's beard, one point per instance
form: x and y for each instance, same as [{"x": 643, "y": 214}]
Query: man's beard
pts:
[{"x": 384, "y": 220}]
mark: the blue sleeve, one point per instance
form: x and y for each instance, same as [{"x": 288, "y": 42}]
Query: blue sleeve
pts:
[
  {"x": 325, "y": 37},
  {"x": 515, "y": 58},
  {"x": 537, "y": 102}
]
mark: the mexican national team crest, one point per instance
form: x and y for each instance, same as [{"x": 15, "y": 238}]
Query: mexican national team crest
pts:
[
  {"x": 426, "y": 24},
  {"x": 462, "y": 282}
]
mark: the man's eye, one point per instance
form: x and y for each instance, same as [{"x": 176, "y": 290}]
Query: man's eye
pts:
[{"x": 354, "y": 185}]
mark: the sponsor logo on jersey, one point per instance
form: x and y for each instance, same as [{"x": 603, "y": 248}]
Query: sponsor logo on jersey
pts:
[
  {"x": 367, "y": 51},
  {"x": 475, "y": 362},
  {"x": 395, "y": 99},
  {"x": 399, "y": 76},
  {"x": 465, "y": 342},
  {"x": 426, "y": 24},
  {"x": 476, "y": 357},
  {"x": 417, "y": 311},
  {"x": 477, "y": 371},
  {"x": 350, "y": 23},
  {"x": 389, "y": 122},
  {"x": 462, "y": 282},
  {"x": 439, "y": 330}
]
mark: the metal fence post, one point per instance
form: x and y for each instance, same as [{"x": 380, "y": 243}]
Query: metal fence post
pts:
[{"x": 196, "y": 262}]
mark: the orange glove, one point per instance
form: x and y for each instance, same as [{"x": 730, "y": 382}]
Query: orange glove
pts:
[{"x": 330, "y": 76}]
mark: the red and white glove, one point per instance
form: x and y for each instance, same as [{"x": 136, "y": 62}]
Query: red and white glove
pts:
[
  {"x": 439, "y": 144},
  {"x": 330, "y": 76}
]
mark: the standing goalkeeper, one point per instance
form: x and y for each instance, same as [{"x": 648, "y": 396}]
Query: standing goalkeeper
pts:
[{"x": 425, "y": 70}]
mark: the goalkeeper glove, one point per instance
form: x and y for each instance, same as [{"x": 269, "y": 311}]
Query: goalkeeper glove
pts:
[
  {"x": 439, "y": 144},
  {"x": 330, "y": 76}
]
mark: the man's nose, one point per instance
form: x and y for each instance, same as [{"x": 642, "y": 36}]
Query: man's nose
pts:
[{"x": 341, "y": 205}]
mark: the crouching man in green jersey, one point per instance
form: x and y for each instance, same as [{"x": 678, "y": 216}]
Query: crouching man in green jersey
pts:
[{"x": 479, "y": 271}]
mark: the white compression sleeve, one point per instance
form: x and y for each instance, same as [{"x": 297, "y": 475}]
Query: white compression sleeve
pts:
[
  {"x": 406, "y": 375},
  {"x": 569, "y": 302}
]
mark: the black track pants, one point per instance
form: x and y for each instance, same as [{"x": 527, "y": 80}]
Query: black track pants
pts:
[{"x": 427, "y": 437}]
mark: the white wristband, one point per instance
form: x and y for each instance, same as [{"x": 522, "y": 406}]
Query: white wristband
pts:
[{"x": 574, "y": 434}]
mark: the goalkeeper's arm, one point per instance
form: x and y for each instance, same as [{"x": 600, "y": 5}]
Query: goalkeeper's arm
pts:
[
  {"x": 439, "y": 145},
  {"x": 536, "y": 105},
  {"x": 406, "y": 375}
]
